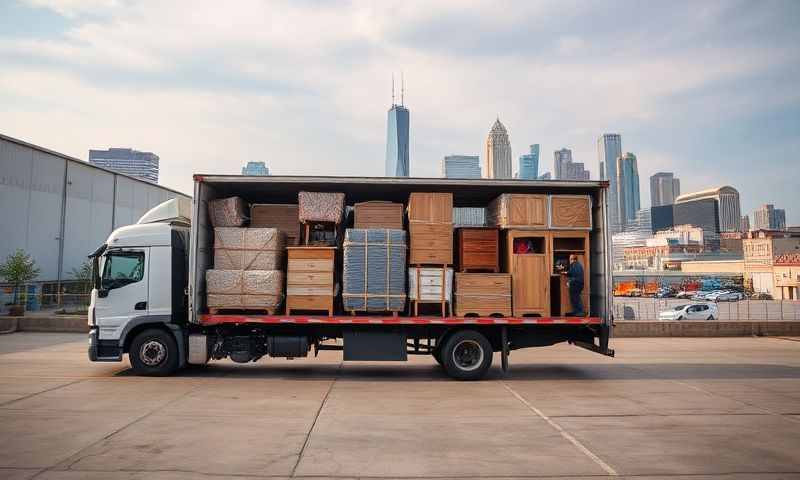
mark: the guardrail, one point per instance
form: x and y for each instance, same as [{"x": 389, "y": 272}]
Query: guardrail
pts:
[{"x": 643, "y": 308}]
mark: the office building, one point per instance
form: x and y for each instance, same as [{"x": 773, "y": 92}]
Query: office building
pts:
[
  {"x": 628, "y": 200},
  {"x": 609, "y": 148},
  {"x": 635, "y": 233},
  {"x": 529, "y": 164},
  {"x": 565, "y": 169},
  {"x": 255, "y": 169},
  {"x": 745, "y": 226},
  {"x": 729, "y": 209},
  {"x": 461, "y": 166},
  {"x": 397, "y": 138},
  {"x": 769, "y": 218},
  {"x": 131, "y": 162},
  {"x": 664, "y": 189},
  {"x": 498, "y": 152}
]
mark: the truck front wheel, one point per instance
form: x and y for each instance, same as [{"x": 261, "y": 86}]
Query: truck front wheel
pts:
[
  {"x": 154, "y": 353},
  {"x": 467, "y": 355}
]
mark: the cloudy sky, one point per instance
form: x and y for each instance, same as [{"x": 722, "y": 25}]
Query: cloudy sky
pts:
[{"x": 709, "y": 90}]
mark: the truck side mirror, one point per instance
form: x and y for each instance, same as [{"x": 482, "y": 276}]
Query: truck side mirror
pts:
[{"x": 102, "y": 293}]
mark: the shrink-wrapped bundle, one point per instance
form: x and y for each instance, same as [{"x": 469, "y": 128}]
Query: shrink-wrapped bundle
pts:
[
  {"x": 227, "y": 212},
  {"x": 469, "y": 216},
  {"x": 248, "y": 248},
  {"x": 242, "y": 289},
  {"x": 320, "y": 207},
  {"x": 374, "y": 275}
]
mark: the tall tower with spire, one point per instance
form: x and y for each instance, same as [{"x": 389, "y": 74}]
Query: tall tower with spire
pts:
[
  {"x": 397, "y": 134},
  {"x": 497, "y": 161}
]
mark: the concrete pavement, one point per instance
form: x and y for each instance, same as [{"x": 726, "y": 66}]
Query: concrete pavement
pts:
[{"x": 664, "y": 408}]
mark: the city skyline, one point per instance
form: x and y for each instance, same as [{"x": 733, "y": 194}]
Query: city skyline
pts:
[
  {"x": 144, "y": 165},
  {"x": 312, "y": 99}
]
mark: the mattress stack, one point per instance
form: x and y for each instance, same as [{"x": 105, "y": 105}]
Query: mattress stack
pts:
[
  {"x": 374, "y": 276},
  {"x": 248, "y": 269},
  {"x": 227, "y": 212},
  {"x": 320, "y": 207}
]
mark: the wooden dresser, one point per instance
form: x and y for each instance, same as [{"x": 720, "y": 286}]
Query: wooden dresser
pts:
[
  {"x": 477, "y": 249},
  {"x": 483, "y": 294},
  {"x": 310, "y": 280}
]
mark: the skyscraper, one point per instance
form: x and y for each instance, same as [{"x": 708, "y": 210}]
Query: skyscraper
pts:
[
  {"x": 609, "y": 148},
  {"x": 664, "y": 189},
  {"x": 745, "y": 223},
  {"x": 769, "y": 218},
  {"x": 728, "y": 206},
  {"x": 565, "y": 169},
  {"x": 498, "y": 152},
  {"x": 628, "y": 200},
  {"x": 255, "y": 168},
  {"x": 131, "y": 162},
  {"x": 397, "y": 133},
  {"x": 461, "y": 166},
  {"x": 529, "y": 164}
]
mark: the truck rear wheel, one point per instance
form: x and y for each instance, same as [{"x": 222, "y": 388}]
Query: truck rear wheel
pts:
[
  {"x": 467, "y": 355},
  {"x": 154, "y": 353}
]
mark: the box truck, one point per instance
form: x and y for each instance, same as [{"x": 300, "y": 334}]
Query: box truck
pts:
[{"x": 149, "y": 285}]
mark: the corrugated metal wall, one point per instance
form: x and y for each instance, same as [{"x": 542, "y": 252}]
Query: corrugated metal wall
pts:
[{"x": 33, "y": 204}]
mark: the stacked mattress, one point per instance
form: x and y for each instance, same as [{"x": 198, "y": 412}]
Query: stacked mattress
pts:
[
  {"x": 248, "y": 248},
  {"x": 374, "y": 275},
  {"x": 242, "y": 289},
  {"x": 227, "y": 212}
]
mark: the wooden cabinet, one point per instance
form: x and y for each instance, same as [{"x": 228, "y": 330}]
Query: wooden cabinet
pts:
[
  {"x": 518, "y": 211},
  {"x": 571, "y": 211},
  {"x": 477, "y": 249},
  {"x": 428, "y": 207},
  {"x": 527, "y": 261},
  {"x": 431, "y": 243},
  {"x": 378, "y": 214},
  {"x": 483, "y": 294},
  {"x": 310, "y": 279}
]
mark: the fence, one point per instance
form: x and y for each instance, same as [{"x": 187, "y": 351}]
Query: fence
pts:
[
  {"x": 765, "y": 310},
  {"x": 37, "y": 301}
]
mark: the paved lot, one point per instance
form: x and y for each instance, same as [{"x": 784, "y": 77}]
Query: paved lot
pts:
[
  {"x": 648, "y": 308},
  {"x": 664, "y": 408}
]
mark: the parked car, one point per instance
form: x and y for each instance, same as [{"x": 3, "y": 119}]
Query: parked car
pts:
[
  {"x": 701, "y": 295},
  {"x": 690, "y": 311},
  {"x": 664, "y": 293},
  {"x": 760, "y": 296},
  {"x": 634, "y": 292},
  {"x": 726, "y": 296},
  {"x": 685, "y": 294}
]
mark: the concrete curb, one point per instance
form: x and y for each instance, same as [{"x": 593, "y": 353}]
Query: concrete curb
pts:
[
  {"x": 706, "y": 328},
  {"x": 56, "y": 324}
]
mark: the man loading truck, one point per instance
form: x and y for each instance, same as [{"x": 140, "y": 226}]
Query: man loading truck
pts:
[{"x": 575, "y": 284}]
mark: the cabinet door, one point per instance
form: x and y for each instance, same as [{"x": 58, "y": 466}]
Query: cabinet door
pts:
[{"x": 531, "y": 282}]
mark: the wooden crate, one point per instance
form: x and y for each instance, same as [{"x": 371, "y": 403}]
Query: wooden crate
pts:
[
  {"x": 478, "y": 249},
  {"x": 530, "y": 272},
  {"x": 571, "y": 211},
  {"x": 483, "y": 294},
  {"x": 310, "y": 279},
  {"x": 518, "y": 211},
  {"x": 277, "y": 215},
  {"x": 379, "y": 214},
  {"x": 430, "y": 207},
  {"x": 431, "y": 244}
]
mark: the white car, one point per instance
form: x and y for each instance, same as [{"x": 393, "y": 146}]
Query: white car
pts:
[
  {"x": 690, "y": 311},
  {"x": 726, "y": 296}
]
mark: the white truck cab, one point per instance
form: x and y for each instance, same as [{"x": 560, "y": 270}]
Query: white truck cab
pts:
[{"x": 138, "y": 300}]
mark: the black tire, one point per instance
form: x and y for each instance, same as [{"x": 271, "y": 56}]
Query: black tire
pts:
[
  {"x": 437, "y": 355},
  {"x": 467, "y": 355},
  {"x": 710, "y": 317},
  {"x": 154, "y": 353}
]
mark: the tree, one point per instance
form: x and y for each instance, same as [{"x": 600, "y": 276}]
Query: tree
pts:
[
  {"x": 84, "y": 275},
  {"x": 18, "y": 269}
]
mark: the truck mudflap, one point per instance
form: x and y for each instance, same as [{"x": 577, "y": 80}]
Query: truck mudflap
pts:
[
  {"x": 602, "y": 346},
  {"x": 103, "y": 350}
]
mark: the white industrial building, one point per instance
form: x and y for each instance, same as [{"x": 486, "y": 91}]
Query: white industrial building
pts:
[{"x": 59, "y": 209}]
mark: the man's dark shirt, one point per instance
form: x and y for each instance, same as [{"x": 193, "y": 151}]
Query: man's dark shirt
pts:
[{"x": 575, "y": 276}]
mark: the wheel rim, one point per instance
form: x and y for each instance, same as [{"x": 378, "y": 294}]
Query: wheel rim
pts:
[
  {"x": 152, "y": 353},
  {"x": 468, "y": 355}
]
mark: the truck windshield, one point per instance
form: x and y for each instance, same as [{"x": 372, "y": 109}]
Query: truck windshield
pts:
[{"x": 122, "y": 268}]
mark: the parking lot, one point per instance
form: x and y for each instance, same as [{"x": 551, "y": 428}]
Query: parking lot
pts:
[
  {"x": 647, "y": 308},
  {"x": 704, "y": 408}
]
